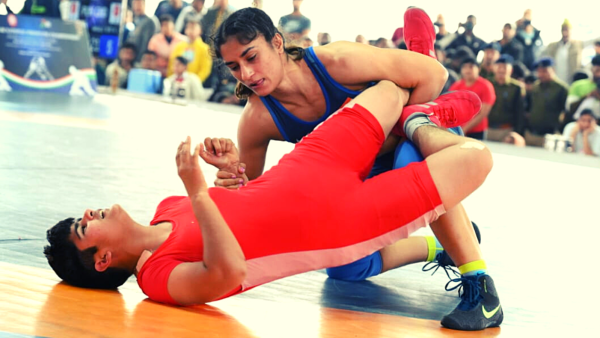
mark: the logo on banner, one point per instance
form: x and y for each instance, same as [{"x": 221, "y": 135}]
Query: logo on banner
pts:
[
  {"x": 12, "y": 20},
  {"x": 115, "y": 14}
]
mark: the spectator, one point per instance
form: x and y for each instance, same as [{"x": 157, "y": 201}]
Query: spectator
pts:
[
  {"x": 491, "y": 53},
  {"x": 524, "y": 21},
  {"x": 383, "y": 43},
  {"x": 520, "y": 72},
  {"x": 548, "y": 97},
  {"x": 225, "y": 90},
  {"x": 398, "y": 38},
  {"x": 171, "y": 7},
  {"x": 461, "y": 53},
  {"x": 194, "y": 12},
  {"x": 119, "y": 69},
  {"x": 566, "y": 53},
  {"x": 584, "y": 134},
  {"x": 163, "y": 43},
  {"x": 514, "y": 139},
  {"x": 361, "y": 39},
  {"x": 145, "y": 28},
  {"x": 195, "y": 51},
  {"x": 183, "y": 85},
  {"x": 441, "y": 25},
  {"x": 306, "y": 42},
  {"x": 148, "y": 60},
  {"x": 581, "y": 89},
  {"x": 324, "y": 39},
  {"x": 477, "y": 127},
  {"x": 220, "y": 11},
  {"x": 508, "y": 111},
  {"x": 467, "y": 38},
  {"x": 532, "y": 43},
  {"x": 49, "y": 8},
  {"x": 452, "y": 76},
  {"x": 509, "y": 45},
  {"x": 295, "y": 25}
]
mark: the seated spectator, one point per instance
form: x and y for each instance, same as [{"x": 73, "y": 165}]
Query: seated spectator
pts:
[
  {"x": 306, "y": 42},
  {"x": 508, "y": 111},
  {"x": 182, "y": 85},
  {"x": 119, "y": 69},
  {"x": 452, "y": 76},
  {"x": 477, "y": 127},
  {"x": 509, "y": 45},
  {"x": 548, "y": 97},
  {"x": 398, "y": 38},
  {"x": 582, "y": 89},
  {"x": 295, "y": 25},
  {"x": 170, "y": 7},
  {"x": 584, "y": 134},
  {"x": 194, "y": 12},
  {"x": 567, "y": 54},
  {"x": 468, "y": 38},
  {"x": 195, "y": 51},
  {"x": 148, "y": 60},
  {"x": 491, "y": 53},
  {"x": 361, "y": 39},
  {"x": 324, "y": 39},
  {"x": 225, "y": 90},
  {"x": 163, "y": 43},
  {"x": 48, "y": 8},
  {"x": 145, "y": 28},
  {"x": 532, "y": 43},
  {"x": 383, "y": 43}
]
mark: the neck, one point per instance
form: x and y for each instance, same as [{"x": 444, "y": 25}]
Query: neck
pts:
[
  {"x": 470, "y": 82},
  {"x": 502, "y": 80},
  {"x": 291, "y": 84},
  {"x": 296, "y": 12},
  {"x": 141, "y": 238},
  {"x": 469, "y": 33},
  {"x": 565, "y": 40}
]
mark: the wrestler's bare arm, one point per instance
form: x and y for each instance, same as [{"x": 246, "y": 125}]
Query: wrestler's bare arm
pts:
[
  {"x": 224, "y": 265},
  {"x": 410, "y": 70}
]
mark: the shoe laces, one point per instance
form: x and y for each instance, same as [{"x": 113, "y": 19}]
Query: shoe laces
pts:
[
  {"x": 436, "y": 264},
  {"x": 469, "y": 291},
  {"x": 447, "y": 115}
]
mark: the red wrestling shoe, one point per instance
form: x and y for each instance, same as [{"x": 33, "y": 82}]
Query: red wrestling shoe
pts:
[
  {"x": 419, "y": 34},
  {"x": 452, "y": 109}
]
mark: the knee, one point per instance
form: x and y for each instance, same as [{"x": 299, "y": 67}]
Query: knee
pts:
[
  {"x": 480, "y": 159},
  {"x": 389, "y": 92}
]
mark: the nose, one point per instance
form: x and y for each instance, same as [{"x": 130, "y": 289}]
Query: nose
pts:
[
  {"x": 88, "y": 215},
  {"x": 247, "y": 73}
]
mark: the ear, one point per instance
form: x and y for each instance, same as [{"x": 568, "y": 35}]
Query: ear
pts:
[
  {"x": 278, "y": 42},
  {"x": 103, "y": 262}
]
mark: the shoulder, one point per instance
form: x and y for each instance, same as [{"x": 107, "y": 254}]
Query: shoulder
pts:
[{"x": 339, "y": 51}]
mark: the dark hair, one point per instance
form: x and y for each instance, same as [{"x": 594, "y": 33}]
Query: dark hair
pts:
[
  {"x": 597, "y": 43},
  {"x": 129, "y": 45},
  {"x": 150, "y": 52},
  {"x": 520, "y": 71},
  {"x": 246, "y": 25},
  {"x": 470, "y": 61},
  {"x": 509, "y": 25},
  {"x": 182, "y": 60},
  {"x": 586, "y": 111},
  {"x": 77, "y": 267},
  {"x": 530, "y": 78},
  {"x": 596, "y": 60},
  {"x": 580, "y": 75},
  {"x": 165, "y": 18}
]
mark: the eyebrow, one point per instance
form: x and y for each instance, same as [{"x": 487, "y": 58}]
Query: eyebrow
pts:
[
  {"x": 242, "y": 55},
  {"x": 77, "y": 227}
]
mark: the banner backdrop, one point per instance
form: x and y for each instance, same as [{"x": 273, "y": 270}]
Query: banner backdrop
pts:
[{"x": 45, "y": 54}]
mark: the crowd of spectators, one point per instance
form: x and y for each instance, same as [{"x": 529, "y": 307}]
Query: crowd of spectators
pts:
[{"x": 528, "y": 89}]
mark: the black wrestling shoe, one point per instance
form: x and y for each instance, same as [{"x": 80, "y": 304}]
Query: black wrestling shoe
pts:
[
  {"x": 443, "y": 260},
  {"x": 479, "y": 307}
]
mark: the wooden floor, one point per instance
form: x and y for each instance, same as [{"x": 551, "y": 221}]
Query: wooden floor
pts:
[{"x": 538, "y": 213}]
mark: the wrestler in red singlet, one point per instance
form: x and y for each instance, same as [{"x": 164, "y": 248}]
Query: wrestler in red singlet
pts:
[{"x": 290, "y": 221}]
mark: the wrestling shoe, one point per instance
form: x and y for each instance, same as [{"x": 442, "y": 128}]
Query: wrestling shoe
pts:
[
  {"x": 443, "y": 260},
  {"x": 419, "y": 34},
  {"x": 449, "y": 110},
  {"x": 479, "y": 307}
]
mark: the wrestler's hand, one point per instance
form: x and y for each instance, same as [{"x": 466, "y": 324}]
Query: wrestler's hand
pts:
[
  {"x": 232, "y": 179},
  {"x": 188, "y": 168},
  {"x": 221, "y": 153}
]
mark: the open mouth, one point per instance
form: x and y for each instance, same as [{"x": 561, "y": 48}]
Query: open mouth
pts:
[{"x": 257, "y": 83}]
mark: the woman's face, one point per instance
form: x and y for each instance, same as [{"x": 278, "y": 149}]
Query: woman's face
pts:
[{"x": 257, "y": 64}]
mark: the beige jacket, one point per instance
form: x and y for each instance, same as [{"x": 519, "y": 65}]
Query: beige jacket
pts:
[{"x": 575, "y": 55}]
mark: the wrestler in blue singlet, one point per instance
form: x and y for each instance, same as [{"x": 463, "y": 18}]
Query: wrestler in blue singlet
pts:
[{"x": 294, "y": 129}]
